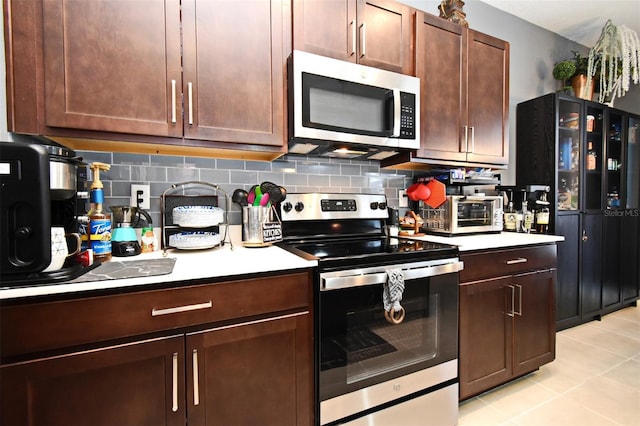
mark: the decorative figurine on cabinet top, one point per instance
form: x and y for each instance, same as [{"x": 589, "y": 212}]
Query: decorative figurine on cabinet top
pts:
[{"x": 451, "y": 10}]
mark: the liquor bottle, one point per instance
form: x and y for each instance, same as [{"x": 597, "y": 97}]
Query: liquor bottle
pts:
[
  {"x": 527, "y": 217},
  {"x": 510, "y": 215},
  {"x": 542, "y": 214},
  {"x": 591, "y": 158}
]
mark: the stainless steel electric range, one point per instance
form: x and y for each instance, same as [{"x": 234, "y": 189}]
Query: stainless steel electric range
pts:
[{"x": 377, "y": 365}]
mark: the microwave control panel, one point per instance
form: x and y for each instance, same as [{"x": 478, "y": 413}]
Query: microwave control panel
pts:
[{"x": 407, "y": 115}]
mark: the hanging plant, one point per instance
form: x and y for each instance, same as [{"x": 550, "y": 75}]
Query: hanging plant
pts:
[{"x": 616, "y": 59}]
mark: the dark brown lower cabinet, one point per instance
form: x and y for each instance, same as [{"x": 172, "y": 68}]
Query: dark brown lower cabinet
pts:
[
  {"x": 130, "y": 384},
  {"x": 507, "y": 322},
  {"x": 228, "y": 353}
]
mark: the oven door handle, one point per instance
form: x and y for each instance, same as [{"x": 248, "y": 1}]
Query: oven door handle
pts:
[{"x": 356, "y": 280}]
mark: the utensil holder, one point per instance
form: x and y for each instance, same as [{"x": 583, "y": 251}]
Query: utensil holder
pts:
[{"x": 259, "y": 229}]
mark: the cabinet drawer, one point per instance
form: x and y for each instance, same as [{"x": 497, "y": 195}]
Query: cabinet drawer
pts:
[
  {"x": 44, "y": 326},
  {"x": 495, "y": 263}
]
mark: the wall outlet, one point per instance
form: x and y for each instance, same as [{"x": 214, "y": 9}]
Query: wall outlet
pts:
[
  {"x": 141, "y": 196},
  {"x": 403, "y": 198}
]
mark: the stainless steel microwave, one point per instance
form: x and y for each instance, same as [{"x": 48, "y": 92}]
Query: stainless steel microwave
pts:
[
  {"x": 464, "y": 214},
  {"x": 343, "y": 109}
]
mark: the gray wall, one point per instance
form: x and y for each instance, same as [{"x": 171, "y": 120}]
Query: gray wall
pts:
[{"x": 533, "y": 53}]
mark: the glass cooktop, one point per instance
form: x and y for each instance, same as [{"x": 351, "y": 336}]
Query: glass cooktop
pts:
[{"x": 353, "y": 252}]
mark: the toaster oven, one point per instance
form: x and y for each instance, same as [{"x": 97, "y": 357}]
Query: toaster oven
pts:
[{"x": 464, "y": 214}]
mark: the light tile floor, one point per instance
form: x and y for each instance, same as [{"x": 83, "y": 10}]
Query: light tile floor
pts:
[{"x": 594, "y": 380}]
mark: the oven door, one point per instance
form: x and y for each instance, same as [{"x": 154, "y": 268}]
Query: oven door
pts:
[
  {"x": 366, "y": 361},
  {"x": 475, "y": 214}
]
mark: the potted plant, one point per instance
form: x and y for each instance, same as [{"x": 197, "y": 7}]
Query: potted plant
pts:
[
  {"x": 582, "y": 86},
  {"x": 563, "y": 71},
  {"x": 616, "y": 57}
]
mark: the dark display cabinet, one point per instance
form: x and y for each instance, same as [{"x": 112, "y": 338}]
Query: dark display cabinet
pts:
[{"x": 589, "y": 156}]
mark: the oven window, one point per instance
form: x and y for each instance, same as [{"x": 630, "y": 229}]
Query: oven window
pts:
[
  {"x": 358, "y": 347},
  {"x": 475, "y": 214},
  {"x": 339, "y": 105}
]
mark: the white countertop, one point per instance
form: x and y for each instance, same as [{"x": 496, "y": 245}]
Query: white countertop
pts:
[
  {"x": 491, "y": 241},
  {"x": 225, "y": 262},
  {"x": 190, "y": 265}
]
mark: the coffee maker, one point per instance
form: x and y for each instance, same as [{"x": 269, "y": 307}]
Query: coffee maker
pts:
[
  {"x": 39, "y": 186},
  {"x": 124, "y": 241}
]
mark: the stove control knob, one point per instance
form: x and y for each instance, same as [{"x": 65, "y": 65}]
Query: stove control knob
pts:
[
  {"x": 382, "y": 206},
  {"x": 299, "y": 206},
  {"x": 287, "y": 207},
  {"x": 374, "y": 205},
  {"x": 23, "y": 233}
]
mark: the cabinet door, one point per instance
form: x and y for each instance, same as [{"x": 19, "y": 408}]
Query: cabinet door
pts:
[
  {"x": 534, "y": 330},
  {"x": 234, "y": 70},
  {"x": 326, "y": 27},
  {"x": 255, "y": 373},
  {"x": 439, "y": 46},
  {"x": 485, "y": 335},
  {"x": 386, "y": 31},
  {"x": 487, "y": 98},
  {"x": 568, "y": 283},
  {"x": 630, "y": 253},
  {"x": 113, "y": 66},
  {"x": 591, "y": 268},
  {"x": 612, "y": 259},
  {"x": 133, "y": 384}
]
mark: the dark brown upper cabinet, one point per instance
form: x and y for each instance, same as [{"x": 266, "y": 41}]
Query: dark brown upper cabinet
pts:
[
  {"x": 191, "y": 72},
  {"x": 464, "y": 95},
  {"x": 377, "y": 33}
]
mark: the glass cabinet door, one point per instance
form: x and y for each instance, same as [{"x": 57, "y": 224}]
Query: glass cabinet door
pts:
[
  {"x": 568, "y": 153},
  {"x": 593, "y": 164},
  {"x": 613, "y": 180},
  {"x": 633, "y": 164}
]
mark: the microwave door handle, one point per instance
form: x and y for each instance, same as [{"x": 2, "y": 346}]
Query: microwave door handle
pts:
[{"x": 395, "y": 132}]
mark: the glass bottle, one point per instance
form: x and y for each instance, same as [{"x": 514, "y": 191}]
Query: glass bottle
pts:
[
  {"x": 527, "y": 217},
  {"x": 542, "y": 214},
  {"x": 591, "y": 157},
  {"x": 510, "y": 216}
]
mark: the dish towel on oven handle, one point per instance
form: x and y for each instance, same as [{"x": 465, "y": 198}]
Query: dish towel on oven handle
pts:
[{"x": 392, "y": 295}]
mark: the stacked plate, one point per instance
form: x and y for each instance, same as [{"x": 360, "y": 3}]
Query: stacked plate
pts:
[
  {"x": 194, "y": 240},
  {"x": 197, "y": 216}
]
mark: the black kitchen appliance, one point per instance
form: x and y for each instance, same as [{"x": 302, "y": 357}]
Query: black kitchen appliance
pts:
[
  {"x": 39, "y": 186},
  {"x": 370, "y": 366}
]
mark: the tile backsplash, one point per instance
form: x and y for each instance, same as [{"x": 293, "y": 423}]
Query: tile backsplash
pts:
[{"x": 295, "y": 173}]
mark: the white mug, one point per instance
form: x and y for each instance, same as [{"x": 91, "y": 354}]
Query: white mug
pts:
[{"x": 59, "y": 249}]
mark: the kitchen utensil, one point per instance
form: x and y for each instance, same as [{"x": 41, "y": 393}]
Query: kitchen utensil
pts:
[
  {"x": 258, "y": 192},
  {"x": 267, "y": 186},
  {"x": 438, "y": 193},
  {"x": 251, "y": 197},
  {"x": 411, "y": 191},
  {"x": 264, "y": 200},
  {"x": 277, "y": 194},
  {"x": 240, "y": 197},
  {"x": 423, "y": 192}
]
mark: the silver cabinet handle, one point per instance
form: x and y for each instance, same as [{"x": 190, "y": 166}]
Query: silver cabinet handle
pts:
[
  {"x": 177, "y": 309},
  {"x": 173, "y": 101},
  {"x": 513, "y": 301},
  {"x": 519, "y": 313},
  {"x": 190, "y": 94},
  {"x": 174, "y": 392},
  {"x": 353, "y": 37},
  {"x": 363, "y": 40},
  {"x": 518, "y": 260},
  {"x": 585, "y": 237},
  {"x": 196, "y": 386},
  {"x": 473, "y": 139},
  {"x": 466, "y": 138}
]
